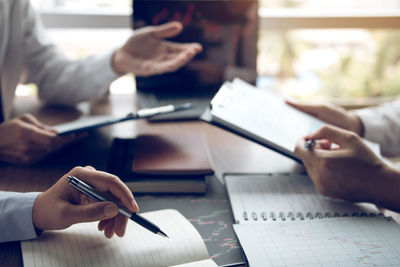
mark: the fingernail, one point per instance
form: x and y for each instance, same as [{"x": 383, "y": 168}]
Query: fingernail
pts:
[
  {"x": 110, "y": 210},
  {"x": 134, "y": 203}
]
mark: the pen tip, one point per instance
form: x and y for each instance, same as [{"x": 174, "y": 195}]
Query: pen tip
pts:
[{"x": 161, "y": 233}]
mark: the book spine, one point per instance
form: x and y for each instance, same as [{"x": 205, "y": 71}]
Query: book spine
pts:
[{"x": 283, "y": 216}]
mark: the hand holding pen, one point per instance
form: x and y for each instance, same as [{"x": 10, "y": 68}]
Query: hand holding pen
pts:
[
  {"x": 89, "y": 191},
  {"x": 62, "y": 205},
  {"x": 349, "y": 170}
]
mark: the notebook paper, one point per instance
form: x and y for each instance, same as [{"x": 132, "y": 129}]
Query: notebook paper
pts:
[
  {"x": 263, "y": 197},
  {"x": 328, "y": 242},
  {"x": 84, "y": 245},
  {"x": 205, "y": 263}
]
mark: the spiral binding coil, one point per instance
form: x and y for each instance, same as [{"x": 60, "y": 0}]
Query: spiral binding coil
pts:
[{"x": 282, "y": 216}]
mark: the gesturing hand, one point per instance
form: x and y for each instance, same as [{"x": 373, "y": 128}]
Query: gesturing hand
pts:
[
  {"x": 62, "y": 205},
  {"x": 333, "y": 115},
  {"x": 147, "y": 53},
  {"x": 25, "y": 140},
  {"x": 350, "y": 171}
]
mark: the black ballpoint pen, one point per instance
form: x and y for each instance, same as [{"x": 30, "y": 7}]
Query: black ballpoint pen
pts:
[{"x": 91, "y": 192}]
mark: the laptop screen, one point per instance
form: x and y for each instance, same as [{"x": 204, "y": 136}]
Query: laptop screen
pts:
[{"x": 227, "y": 30}]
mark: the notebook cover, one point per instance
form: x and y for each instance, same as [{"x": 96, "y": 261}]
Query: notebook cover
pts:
[
  {"x": 120, "y": 162},
  {"x": 171, "y": 154}
]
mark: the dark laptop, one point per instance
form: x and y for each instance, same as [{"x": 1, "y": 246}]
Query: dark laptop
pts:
[{"x": 228, "y": 32}]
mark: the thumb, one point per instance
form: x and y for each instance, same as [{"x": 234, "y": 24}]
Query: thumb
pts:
[
  {"x": 92, "y": 212},
  {"x": 334, "y": 134},
  {"x": 167, "y": 30}
]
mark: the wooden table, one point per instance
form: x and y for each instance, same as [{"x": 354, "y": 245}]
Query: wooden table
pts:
[{"x": 229, "y": 153}]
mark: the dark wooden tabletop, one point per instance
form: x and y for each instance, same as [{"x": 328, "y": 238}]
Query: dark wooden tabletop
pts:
[{"x": 229, "y": 153}]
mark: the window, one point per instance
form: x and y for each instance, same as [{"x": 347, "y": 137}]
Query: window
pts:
[
  {"x": 343, "y": 51},
  {"x": 82, "y": 4},
  {"x": 340, "y": 50}
]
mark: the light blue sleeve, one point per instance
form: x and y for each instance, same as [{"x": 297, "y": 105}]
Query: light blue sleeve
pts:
[{"x": 16, "y": 216}]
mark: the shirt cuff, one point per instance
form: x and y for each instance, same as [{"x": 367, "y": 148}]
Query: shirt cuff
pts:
[
  {"x": 373, "y": 125},
  {"x": 103, "y": 66},
  {"x": 16, "y": 216}
]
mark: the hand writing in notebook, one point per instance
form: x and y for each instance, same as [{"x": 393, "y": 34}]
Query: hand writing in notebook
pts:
[
  {"x": 350, "y": 170},
  {"x": 61, "y": 205}
]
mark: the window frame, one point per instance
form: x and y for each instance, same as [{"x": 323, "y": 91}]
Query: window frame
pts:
[{"x": 270, "y": 19}]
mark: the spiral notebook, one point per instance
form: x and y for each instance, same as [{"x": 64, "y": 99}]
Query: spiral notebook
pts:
[
  {"x": 351, "y": 241},
  {"x": 281, "y": 220},
  {"x": 272, "y": 197}
]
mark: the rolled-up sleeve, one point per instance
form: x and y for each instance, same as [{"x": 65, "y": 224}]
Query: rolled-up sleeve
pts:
[
  {"x": 382, "y": 125},
  {"x": 16, "y": 216}
]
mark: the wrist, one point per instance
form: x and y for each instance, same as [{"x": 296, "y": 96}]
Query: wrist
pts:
[
  {"x": 356, "y": 124},
  {"x": 386, "y": 192},
  {"x": 36, "y": 214},
  {"x": 116, "y": 62}
]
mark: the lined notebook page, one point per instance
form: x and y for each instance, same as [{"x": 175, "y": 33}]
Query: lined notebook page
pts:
[
  {"x": 257, "y": 196},
  {"x": 84, "y": 245},
  {"x": 331, "y": 242}
]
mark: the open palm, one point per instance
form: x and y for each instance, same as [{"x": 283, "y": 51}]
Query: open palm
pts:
[{"x": 148, "y": 53}]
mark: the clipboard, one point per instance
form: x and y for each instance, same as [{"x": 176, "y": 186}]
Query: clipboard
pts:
[{"x": 262, "y": 117}]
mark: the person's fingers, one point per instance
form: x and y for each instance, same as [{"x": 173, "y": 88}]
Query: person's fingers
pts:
[
  {"x": 90, "y": 168},
  {"x": 102, "y": 224},
  {"x": 313, "y": 110},
  {"x": 109, "y": 228},
  {"x": 343, "y": 138},
  {"x": 167, "y": 30},
  {"x": 309, "y": 155},
  {"x": 29, "y": 118},
  {"x": 91, "y": 212},
  {"x": 168, "y": 65},
  {"x": 301, "y": 152},
  {"x": 179, "y": 47},
  {"x": 107, "y": 182},
  {"x": 324, "y": 144},
  {"x": 120, "y": 225},
  {"x": 38, "y": 135}
]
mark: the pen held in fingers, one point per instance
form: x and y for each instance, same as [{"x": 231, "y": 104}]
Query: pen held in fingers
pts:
[
  {"x": 310, "y": 144},
  {"x": 92, "y": 193}
]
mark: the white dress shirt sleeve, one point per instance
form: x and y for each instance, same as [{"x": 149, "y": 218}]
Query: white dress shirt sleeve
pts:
[
  {"x": 59, "y": 79},
  {"x": 16, "y": 216},
  {"x": 382, "y": 125}
]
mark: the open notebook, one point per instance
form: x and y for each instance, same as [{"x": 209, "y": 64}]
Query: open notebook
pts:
[
  {"x": 83, "y": 245},
  {"x": 263, "y": 117},
  {"x": 282, "y": 220},
  {"x": 357, "y": 241},
  {"x": 266, "y": 197}
]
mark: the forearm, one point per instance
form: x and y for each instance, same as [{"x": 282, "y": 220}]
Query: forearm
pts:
[
  {"x": 16, "y": 216},
  {"x": 66, "y": 82}
]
